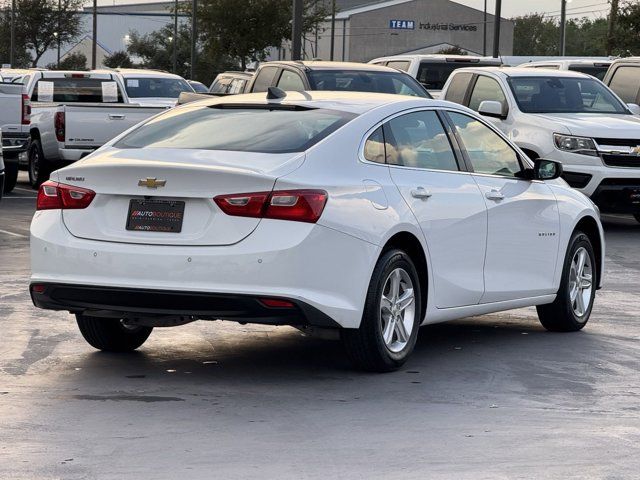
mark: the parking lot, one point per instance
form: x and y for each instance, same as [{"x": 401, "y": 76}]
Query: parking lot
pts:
[{"x": 487, "y": 397}]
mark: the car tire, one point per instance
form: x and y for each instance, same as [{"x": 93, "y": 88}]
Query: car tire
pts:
[
  {"x": 111, "y": 335},
  {"x": 382, "y": 342},
  {"x": 10, "y": 175},
  {"x": 637, "y": 217},
  {"x": 571, "y": 310},
  {"x": 39, "y": 168}
]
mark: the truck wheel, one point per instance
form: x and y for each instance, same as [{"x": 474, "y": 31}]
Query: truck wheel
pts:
[
  {"x": 10, "y": 175},
  {"x": 391, "y": 318},
  {"x": 39, "y": 168},
  {"x": 110, "y": 334},
  {"x": 571, "y": 309}
]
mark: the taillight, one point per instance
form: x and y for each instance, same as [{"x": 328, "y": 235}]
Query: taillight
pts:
[
  {"x": 59, "y": 126},
  {"x": 294, "y": 205},
  {"x": 58, "y": 196},
  {"x": 26, "y": 109}
]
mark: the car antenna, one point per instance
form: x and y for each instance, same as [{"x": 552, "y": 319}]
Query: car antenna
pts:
[{"x": 274, "y": 93}]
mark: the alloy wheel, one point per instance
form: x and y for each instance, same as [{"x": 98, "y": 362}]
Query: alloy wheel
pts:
[
  {"x": 397, "y": 310},
  {"x": 580, "y": 282}
]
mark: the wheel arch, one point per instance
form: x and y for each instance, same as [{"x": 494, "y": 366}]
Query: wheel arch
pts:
[
  {"x": 410, "y": 244},
  {"x": 589, "y": 226},
  {"x": 35, "y": 134}
]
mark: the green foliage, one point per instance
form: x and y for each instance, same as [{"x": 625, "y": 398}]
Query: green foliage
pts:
[
  {"x": 23, "y": 58},
  {"x": 627, "y": 32},
  {"x": 39, "y": 27},
  {"x": 119, "y": 59},
  {"x": 73, "y": 61},
  {"x": 454, "y": 50},
  {"x": 535, "y": 34}
]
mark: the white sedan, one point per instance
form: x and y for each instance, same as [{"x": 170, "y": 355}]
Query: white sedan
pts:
[{"x": 368, "y": 213}]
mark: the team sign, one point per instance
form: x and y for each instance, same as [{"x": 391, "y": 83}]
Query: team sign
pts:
[{"x": 402, "y": 24}]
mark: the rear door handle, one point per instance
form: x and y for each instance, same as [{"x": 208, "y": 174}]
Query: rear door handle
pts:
[
  {"x": 420, "y": 192},
  {"x": 116, "y": 116},
  {"x": 494, "y": 195}
]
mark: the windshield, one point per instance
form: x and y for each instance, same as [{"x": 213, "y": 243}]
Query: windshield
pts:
[
  {"x": 148, "y": 87},
  {"x": 594, "y": 71},
  {"x": 242, "y": 129},
  {"x": 366, "y": 81},
  {"x": 564, "y": 95}
]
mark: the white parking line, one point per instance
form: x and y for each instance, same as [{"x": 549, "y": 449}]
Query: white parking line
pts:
[
  {"x": 14, "y": 234},
  {"x": 28, "y": 190},
  {"x": 18, "y": 198}
]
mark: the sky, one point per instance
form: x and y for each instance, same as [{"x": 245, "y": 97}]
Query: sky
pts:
[{"x": 510, "y": 8}]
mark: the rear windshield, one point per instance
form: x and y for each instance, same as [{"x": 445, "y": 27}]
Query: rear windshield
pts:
[
  {"x": 156, "y": 87},
  {"x": 433, "y": 75},
  {"x": 237, "y": 129},
  {"x": 598, "y": 72},
  {"x": 365, "y": 81},
  {"x": 77, "y": 90},
  {"x": 564, "y": 95}
]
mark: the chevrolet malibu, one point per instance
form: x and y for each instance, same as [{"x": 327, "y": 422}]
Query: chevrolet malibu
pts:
[{"x": 368, "y": 213}]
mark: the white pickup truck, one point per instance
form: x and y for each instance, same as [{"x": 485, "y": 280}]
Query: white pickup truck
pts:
[
  {"x": 14, "y": 121},
  {"x": 565, "y": 116},
  {"x": 73, "y": 114}
]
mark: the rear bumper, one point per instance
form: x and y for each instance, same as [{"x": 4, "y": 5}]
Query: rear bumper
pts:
[
  {"x": 307, "y": 264},
  {"x": 144, "y": 303},
  {"x": 15, "y": 143}
]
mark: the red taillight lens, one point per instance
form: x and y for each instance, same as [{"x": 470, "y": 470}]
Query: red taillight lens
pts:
[
  {"x": 276, "y": 303},
  {"x": 58, "y": 196},
  {"x": 26, "y": 109},
  {"x": 59, "y": 125},
  {"x": 294, "y": 205}
]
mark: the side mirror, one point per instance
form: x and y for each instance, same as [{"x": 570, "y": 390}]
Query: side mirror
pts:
[
  {"x": 634, "y": 107},
  {"x": 491, "y": 108},
  {"x": 546, "y": 169}
]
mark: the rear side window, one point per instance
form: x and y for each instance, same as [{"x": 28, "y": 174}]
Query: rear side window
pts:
[
  {"x": 458, "y": 88},
  {"x": 220, "y": 85},
  {"x": 595, "y": 71},
  {"x": 264, "y": 79},
  {"x": 77, "y": 90},
  {"x": 366, "y": 81},
  {"x": 419, "y": 140},
  {"x": 399, "y": 65},
  {"x": 374, "y": 147},
  {"x": 267, "y": 130},
  {"x": 290, "y": 81},
  {"x": 237, "y": 85},
  {"x": 486, "y": 89},
  {"x": 626, "y": 83}
]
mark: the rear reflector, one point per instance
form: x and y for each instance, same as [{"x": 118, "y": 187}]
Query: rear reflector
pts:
[
  {"x": 294, "y": 205},
  {"x": 58, "y": 196},
  {"x": 38, "y": 288},
  {"x": 276, "y": 303}
]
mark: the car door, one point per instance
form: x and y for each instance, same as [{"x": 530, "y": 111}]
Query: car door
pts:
[
  {"x": 523, "y": 218},
  {"x": 445, "y": 200}
]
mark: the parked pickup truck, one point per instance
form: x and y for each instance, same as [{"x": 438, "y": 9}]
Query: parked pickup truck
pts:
[
  {"x": 565, "y": 116},
  {"x": 14, "y": 121},
  {"x": 73, "y": 114}
]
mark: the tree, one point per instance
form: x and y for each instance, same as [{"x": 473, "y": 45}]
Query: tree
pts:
[
  {"x": 71, "y": 61},
  {"x": 245, "y": 29},
  {"x": 626, "y": 33},
  {"x": 119, "y": 59},
  {"x": 22, "y": 56},
  {"x": 42, "y": 26},
  {"x": 453, "y": 50},
  {"x": 534, "y": 34}
]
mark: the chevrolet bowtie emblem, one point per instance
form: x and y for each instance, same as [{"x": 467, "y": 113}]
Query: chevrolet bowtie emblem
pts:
[{"x": 151, "y": 182}]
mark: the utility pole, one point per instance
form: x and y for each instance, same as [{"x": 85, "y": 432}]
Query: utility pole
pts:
[
  {"x": 496, "y": 29},
  {"x": 94, "y": 45},
  {"x": 563, "y": 26},
  {"x": 296, "y": 30},
  {"x": 613, "y": 16},
  {"x": 175, "y": 38},
  {"x": 484, "y": 31},
  {"x": 58, "y": 32},
  {"x": 333, "y": 28},
  {"x": 12, "y": 53},
  {"x": 194, "y": 38}
]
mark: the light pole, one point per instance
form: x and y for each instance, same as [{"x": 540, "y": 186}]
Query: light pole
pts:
[
  {"x": 175, "y": 38},
  {"x": 296, "y": 30},
  {"x": 12, "y": 52},
  {"x": 484, "y": 30},
  {"x": 55, "y": 34},
  {"x": 496, "y": 29},
  {"x": 94, "y": 44},
  {"x": 194, "y": 32},
  {"x": 563, "y": 26},
  {"x": 333, "y": 28},
  {"x": 58, "y": 32}
]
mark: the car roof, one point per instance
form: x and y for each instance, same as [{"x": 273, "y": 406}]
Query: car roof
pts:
[
  {"x": 353, "y": 102},
  {"x": 139, "y": 72},
  {"x": 439, "y": 56},
  {"x": 627, "y": 60},
  {"x": 525, "y": 72},
  {"x": 564, "y": 61},
  {"x": 325, "y": 65}
]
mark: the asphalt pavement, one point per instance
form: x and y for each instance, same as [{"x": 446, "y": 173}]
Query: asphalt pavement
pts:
[{"x": 490, "y": 397}]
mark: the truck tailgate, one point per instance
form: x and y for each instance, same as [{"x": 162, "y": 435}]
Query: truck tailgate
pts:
[
  {"x": 10, "y": 106},
  {"x": 92, "y": 125}
]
